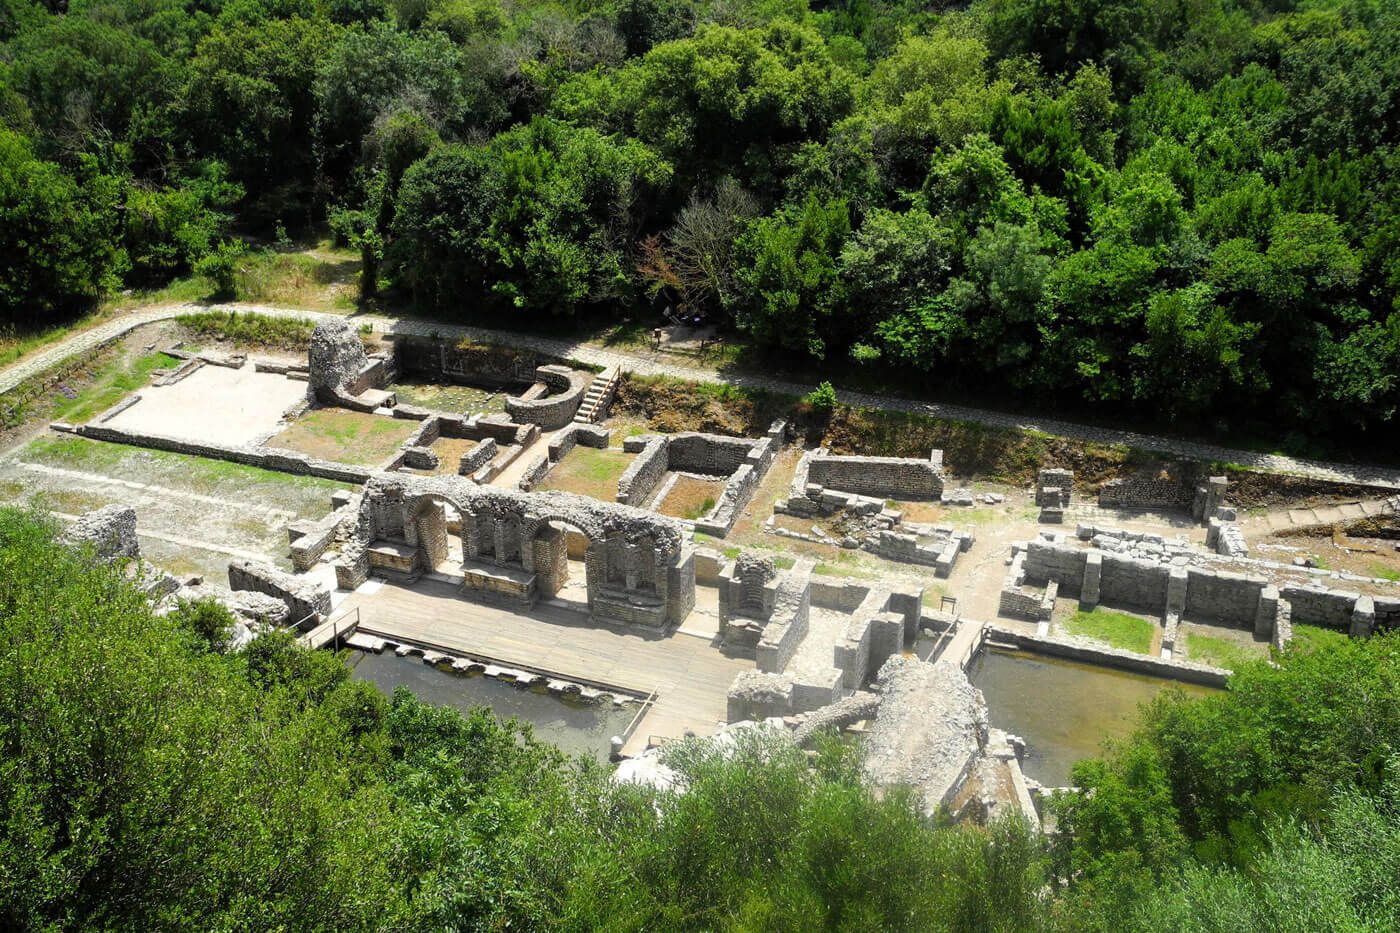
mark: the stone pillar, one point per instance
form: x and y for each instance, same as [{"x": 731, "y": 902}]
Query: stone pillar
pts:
[
  {"x": 1266, "y": 612},
  {"x": 1363, "y": 618},
  {"x": 1176, "y": 590},
  {"x": 595, "y": 569},
  {"x": 1093, "y": 572},
  {"x": 631, "y": 575},
  {"x": 498, "y": 533},
  {"x": 549, "y": 560},
  {"x": 660, "y": 575},
  {"x": 471, "y": 536}
]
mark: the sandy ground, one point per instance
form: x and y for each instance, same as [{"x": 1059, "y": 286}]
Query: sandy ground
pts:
[{"x": 214, "y": 404}]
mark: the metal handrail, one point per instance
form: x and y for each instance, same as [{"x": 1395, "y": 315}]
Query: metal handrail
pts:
[{"x": 645, "y": 704}]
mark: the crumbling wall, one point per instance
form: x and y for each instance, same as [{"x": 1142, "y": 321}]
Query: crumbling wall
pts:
[
  {"x": 110, "y": 530},
  {"x": 284, "y": 461},
  {"x": 884, "y": 477},
  {"x": 303, "y": 597}
]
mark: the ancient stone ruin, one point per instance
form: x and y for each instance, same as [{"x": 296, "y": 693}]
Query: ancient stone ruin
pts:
[
  {"x": 640, "y": 566},
  {"x": 110, "y": 531}
]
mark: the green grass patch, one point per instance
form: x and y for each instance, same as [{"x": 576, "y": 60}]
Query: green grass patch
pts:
[
  {"x": 701, "y": 510},
  {"x": 249, "y": 329},
  {"x": 345, "y": 436},
  {"x": 1383, "y": 571},
  {"x": 114, "y": 382},
  {"x": 16, "y": 342},
  {"x": 1218, "y": 652},
  {"x": 161, "y": 467},
  {"x": 1316, "y": 638},
  {"x": 1116, "y": 629}
]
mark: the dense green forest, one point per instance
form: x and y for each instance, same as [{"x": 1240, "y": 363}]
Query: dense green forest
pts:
[
  {"x": 149, "y": 779},
  {"x": 1188, "y": 212}
]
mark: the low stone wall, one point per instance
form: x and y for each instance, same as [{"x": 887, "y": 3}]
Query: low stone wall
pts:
[
  {"x": 1223, "y": 596},
  {"x": 641, "y": 476},
  {"x": 567, "y": 387},
  {"x": 589, "y": 435},
  {"x": 1147, "y": 491},
  {"x": 268, "y": 458},
  {"x": 1226, "y": 538},
  {"x": 479, "y": 456},
  {"x": 883, "y": 477},
  {"x": 1186, "y": 671},
  {"x": 302, "y": 596},
  {"x": 465, "y": 362}
]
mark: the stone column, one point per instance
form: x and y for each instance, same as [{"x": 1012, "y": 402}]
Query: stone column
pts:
[
  {"x": 595, "y": 565},
  {"x": 1176, "y": 590},
  {"x": 1363, "y": 618},
  {"x": 1266, "y": 612},
  {"x": 1093, "y": 572},
  {"x": 498, "y": 532}
]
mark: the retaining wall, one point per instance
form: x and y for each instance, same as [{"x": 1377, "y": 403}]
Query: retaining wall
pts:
[
  {"x": 884, "y": 477},
  {"x": 553, "y": 411},
  {"x": 268, "y": 458}
]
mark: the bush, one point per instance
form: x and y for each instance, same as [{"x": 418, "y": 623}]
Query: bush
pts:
[
  {"x": 822, "y": 399},
  {"x": 220, "y": 267}
]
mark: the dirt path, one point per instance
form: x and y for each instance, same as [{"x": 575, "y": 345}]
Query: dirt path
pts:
[{"x": 598, "y": 356}]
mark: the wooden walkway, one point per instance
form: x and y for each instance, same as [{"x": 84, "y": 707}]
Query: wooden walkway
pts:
[{"x": 690, "y": 674}]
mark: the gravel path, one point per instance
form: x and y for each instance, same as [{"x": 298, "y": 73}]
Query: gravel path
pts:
[{"x": 598, "y": 356}]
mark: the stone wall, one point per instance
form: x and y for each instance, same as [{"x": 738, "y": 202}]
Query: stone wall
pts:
[
  {"x": 884, "y": 477},
  {"x": 110, "y": 530},
  {"x": 714, "y": 454},
  {"x": 555, "y": 410},
  {"x": 445, "y": 361},
  {"x": 1208, "y": 593},
  {"x": 476, "y": 458},
  {"x": 335, "y": 357},
  {"x": 646, "y": 469},
  {"x": 1163, "y": 490},
  {"x": 268, "y": 458},
  {"x": 303, "y": 596}
]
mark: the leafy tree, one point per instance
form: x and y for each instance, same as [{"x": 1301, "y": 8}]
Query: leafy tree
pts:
[
  {"x": 534, "y": 220},
  {"x": 788, "y": 285},
  {"x": 58, "y": 234},
  {"x": 250, "y": 102}
]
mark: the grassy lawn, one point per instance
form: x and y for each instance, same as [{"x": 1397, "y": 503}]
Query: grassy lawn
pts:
[
  {"x": 692, "y": 498},
  {"x": 164, "y": 468},
  {"x": 1116, "y": 629},
  {"x": 345, "y": 436},
  {"x": 114, "y": 381},
  {"x": 16, "y": 342},
  {"x": 1315, "y": 638},
  {"x": 451, "y": 398},
  {"x": 589, "y": 471},
  {"x": 1383, "y": 571},
  {"x": 1218, "y": 652}
]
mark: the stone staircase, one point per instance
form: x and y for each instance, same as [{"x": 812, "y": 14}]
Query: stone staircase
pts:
[
  {"x": 1284, "y": 519},
  {"x": 599, "y": 396}
]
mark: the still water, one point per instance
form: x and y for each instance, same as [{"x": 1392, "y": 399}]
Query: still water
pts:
[
  {"x": 576, "y": 728},
  {"x": 1062, "y": 709}
]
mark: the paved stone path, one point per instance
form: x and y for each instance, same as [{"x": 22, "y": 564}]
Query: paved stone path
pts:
[{"x": 598, "y": 356}]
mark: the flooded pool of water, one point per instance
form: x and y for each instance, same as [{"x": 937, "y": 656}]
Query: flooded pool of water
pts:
[
  {"x": 576, "y": 728},
  {"x": 1062, "y": 709}
]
